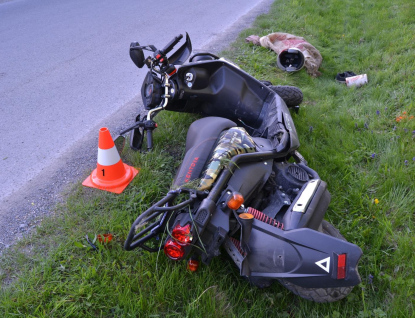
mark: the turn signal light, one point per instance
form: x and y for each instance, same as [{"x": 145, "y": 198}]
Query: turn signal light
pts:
[
  {"x": 341, "y": 266},
  {"x": 173, "y": 250},
  {"x": 235, "y": 201},
  {"x": 192, "y": 265},
  {"x": 182, "y": 235}
]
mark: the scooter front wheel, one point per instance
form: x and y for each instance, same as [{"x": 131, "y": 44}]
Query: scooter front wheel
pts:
[
  {"x": 321, "y": 295},
  {"x": 291, "y": 95}
]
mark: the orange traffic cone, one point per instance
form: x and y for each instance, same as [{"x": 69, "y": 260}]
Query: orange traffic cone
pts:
[{"x": 111, "y": 173}]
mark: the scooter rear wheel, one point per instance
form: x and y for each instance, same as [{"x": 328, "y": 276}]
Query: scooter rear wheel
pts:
[{"x": 320, "y": 295}]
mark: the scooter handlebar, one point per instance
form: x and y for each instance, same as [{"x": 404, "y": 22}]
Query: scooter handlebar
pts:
[
  {"x": 171, "y": 44},
  {"x": 149, "y": 140}
]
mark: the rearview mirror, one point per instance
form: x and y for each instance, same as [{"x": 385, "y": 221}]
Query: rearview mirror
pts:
[
  {"x": 136, "y": 139},
  {"x": 136, "y": 54}
]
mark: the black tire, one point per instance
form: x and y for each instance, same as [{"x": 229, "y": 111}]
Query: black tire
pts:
[
  {"x": 321, "y": 295},
  {"x": 292, "y": 96}
]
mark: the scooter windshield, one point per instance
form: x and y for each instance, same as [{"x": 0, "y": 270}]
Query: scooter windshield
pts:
[{"x": 233, "y": 142}]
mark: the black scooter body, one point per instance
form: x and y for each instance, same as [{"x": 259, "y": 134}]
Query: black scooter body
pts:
[
  {"x": 304, "y": 257},
  {"x": 283, "y": 237},
  {"x": 219, "y": 88}
]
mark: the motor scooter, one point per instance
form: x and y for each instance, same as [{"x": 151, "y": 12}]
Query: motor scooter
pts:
[{"x": 243, "y": 187}]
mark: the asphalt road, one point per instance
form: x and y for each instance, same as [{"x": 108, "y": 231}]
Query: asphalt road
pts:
[{"x": 65, "y": 71}]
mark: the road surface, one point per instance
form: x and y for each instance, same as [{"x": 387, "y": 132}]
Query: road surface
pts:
[{"x": 65, "y": 71}]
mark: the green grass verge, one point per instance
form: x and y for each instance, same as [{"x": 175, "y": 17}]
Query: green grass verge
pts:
[{"x": 350, "y": 136}]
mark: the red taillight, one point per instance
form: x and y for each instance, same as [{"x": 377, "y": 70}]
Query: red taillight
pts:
[
  {"x": 182, "y": 235},
  {"x": 173, "y": 250},
  {"x": 193, "y": 265},
  {"x": 341, "y": 266}
]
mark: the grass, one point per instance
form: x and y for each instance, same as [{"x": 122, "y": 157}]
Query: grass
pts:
[{"x": 354, "y": 138}]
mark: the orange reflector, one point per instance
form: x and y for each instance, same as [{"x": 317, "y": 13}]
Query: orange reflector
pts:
[
  {"x": 341, "y": 266},
  {"x": 173, "y": 250},
  {"x": 192, "y": 265},
  {"x": 246, "y": 216},
  {"x": 235, "y": 201}
]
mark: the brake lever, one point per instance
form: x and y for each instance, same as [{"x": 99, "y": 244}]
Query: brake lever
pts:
[
  {"x": 151, "y": 48},
  {"x": 136, "y": 125}
]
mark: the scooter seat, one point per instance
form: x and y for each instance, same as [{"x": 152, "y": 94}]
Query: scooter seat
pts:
[{"x": 201, "y": 138}]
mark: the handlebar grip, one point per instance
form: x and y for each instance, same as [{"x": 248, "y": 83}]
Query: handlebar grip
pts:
[
  {"x": 149, "y": 139},
  {"x": 171, "y": 44}
]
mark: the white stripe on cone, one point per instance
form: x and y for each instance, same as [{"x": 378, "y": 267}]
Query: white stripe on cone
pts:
[{"x": 108, "y": 157}]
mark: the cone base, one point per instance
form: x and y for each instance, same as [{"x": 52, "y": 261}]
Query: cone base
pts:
[{"x": 114, "y": 186}]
